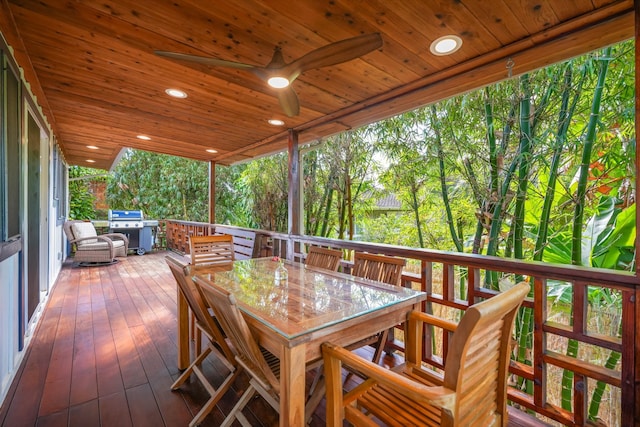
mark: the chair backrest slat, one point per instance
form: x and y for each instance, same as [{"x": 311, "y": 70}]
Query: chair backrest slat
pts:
[
  {"x": 378, "y": 267},
  {"x": 235, "y": 327},
  {"x": 209, "y": 251},
  {"x": 328, "y": 259}
]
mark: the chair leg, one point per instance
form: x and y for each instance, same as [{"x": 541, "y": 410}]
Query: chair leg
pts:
[
  {"x": 316, "y": 395},
  {"x": 236, "y": 412},
  {"x": 316, "y": 381},
  {"x": 391, "y": 336},
  {"x": 198, "y": 340},
  {"x": 216, "y": 394},
  {"x": 382, "y": 340},
  {"x": 192, "y": 324},
  {"x": 187, "y": 372},
  {"x": 377, "y": 354}
]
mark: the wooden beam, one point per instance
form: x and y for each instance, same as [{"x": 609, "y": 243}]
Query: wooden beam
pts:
[
  {"x": 631, "y": 392},
  {"x": 294, "y": 188},
  {"x": 212, "y": 192}
]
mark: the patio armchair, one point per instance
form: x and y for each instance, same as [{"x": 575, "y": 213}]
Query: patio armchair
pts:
[
  {"x": 328, "y": 259},
  {"x": 91, "y": 248},
  {"x": 216, "y": 343},
  {"x": 262, "y": 366},
  {"x": 472, "y": 392}
]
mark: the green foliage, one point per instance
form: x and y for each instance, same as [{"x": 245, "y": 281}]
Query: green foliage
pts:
[
  {"x": 478, "y": 166},
  {"x": 232, "y": 205},
  {"x": 162, "y": 186},
  {"x": 81, "y": 199},
  {"x": 265, "y": 191}
]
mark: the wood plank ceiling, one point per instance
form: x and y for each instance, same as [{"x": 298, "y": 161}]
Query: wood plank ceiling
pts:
[{"x": 92, "y": 65}]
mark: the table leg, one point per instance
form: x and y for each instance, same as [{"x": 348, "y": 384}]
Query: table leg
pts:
[
  {"x": 292, "y": 391},
  {"x": 183, "y": 332}
]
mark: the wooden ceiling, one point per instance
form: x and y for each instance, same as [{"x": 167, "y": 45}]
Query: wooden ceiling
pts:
[{"x": 92, "y": 65}]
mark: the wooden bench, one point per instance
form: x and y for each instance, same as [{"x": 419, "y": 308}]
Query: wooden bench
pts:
[{"x": 246, "y": 243}]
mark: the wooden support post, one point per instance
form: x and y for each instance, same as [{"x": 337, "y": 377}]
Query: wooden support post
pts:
[
  {"x": 212, "y": 192},
  {"x": 295, "y": 200},
  {"x": 631, "y": 392}
]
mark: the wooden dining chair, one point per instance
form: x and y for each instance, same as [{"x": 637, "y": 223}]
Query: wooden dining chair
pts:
[
  {"x": 208, "y": 252},
  {"x": 383, "y": 269},
  {"x": 328, "y": 259},
  {"x": 263, "y": 367},
  {"x": 472, "y": 392},
  {"x": 216, "y": 342},
  {"x": 378, "y": 267},
  {"x": 211, "y": 251}
]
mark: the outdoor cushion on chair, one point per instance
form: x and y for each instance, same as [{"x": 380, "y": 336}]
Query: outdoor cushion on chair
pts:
[{"x": 92, "y": 248}]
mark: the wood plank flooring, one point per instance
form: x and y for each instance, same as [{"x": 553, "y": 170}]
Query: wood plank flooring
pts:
[{"x": 105, "y": 354}]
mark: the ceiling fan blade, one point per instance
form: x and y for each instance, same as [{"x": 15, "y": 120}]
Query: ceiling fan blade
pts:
[
  {"x": 334, "y": 53},
  {"x": 289, "y": 101},
  {"x": 204, "y": 60}
]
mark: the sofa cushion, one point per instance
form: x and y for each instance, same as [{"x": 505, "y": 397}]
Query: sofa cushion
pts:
[
  {"x": 100, "y": 245},
  {"x": 84, "y": 229}
]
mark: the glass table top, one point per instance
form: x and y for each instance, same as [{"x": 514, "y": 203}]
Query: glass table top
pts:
[{"x": 308, "y": 300}]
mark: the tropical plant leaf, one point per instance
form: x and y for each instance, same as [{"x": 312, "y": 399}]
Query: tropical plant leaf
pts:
[{"x": 617, "y": 250}]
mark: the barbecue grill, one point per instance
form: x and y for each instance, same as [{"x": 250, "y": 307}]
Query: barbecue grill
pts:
[{"x": 135, "y": 227}]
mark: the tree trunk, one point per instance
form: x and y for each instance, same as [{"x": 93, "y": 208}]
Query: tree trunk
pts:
[
  {"x": 327, "y": 200},
  {"x": 564, "y": 119},
  {"x": 578, "y": 217},
  {"x": 443, "y": 181},
  {"x": 491, "y": 140},
  {"x": 349, "y": 201},
  {"x": 416, "y": 213},
  {"x": 526, "y": 139}
]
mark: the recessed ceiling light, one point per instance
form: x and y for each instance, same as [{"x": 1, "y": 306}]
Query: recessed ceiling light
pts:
[
  {"x": 92, "y": 147},
  {"x": 90, "y": 161},
  {"x": 212, "y": 151},
  {"x": 446, "y": 45},
  {"x": 176, "y": 93},
  {"x": 278, "y": 82},
  {"x": 144, "y": 137},
  {"x": 276, "y": 122}
]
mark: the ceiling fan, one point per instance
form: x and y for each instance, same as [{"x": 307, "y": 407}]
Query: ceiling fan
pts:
[{"x": 280, "y": 75}]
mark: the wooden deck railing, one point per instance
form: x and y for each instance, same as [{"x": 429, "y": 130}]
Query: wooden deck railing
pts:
[{"x": 454, "y": 281}]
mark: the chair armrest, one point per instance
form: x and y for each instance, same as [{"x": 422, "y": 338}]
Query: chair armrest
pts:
[
  {"x": 435, "y": 396},
  {"x": 100, "y": 237},
  {"x": 117, "y": 236},
  {"x": 433, "y": 320}
]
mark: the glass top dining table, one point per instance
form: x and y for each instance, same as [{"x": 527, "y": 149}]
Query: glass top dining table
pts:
[
  {"x": 292, "y": 317},
  {"x": 310, "y": 299}
]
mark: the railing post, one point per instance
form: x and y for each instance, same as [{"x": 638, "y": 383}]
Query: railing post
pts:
[
  {"x": 631, "y": 392},
  {"x": 630, "y": 387}
]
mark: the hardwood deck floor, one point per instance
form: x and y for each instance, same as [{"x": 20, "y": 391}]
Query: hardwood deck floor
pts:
[{"x": 105, "y": 354}]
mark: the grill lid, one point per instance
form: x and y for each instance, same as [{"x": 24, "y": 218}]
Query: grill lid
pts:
[{"x": 118, "y": 215}]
